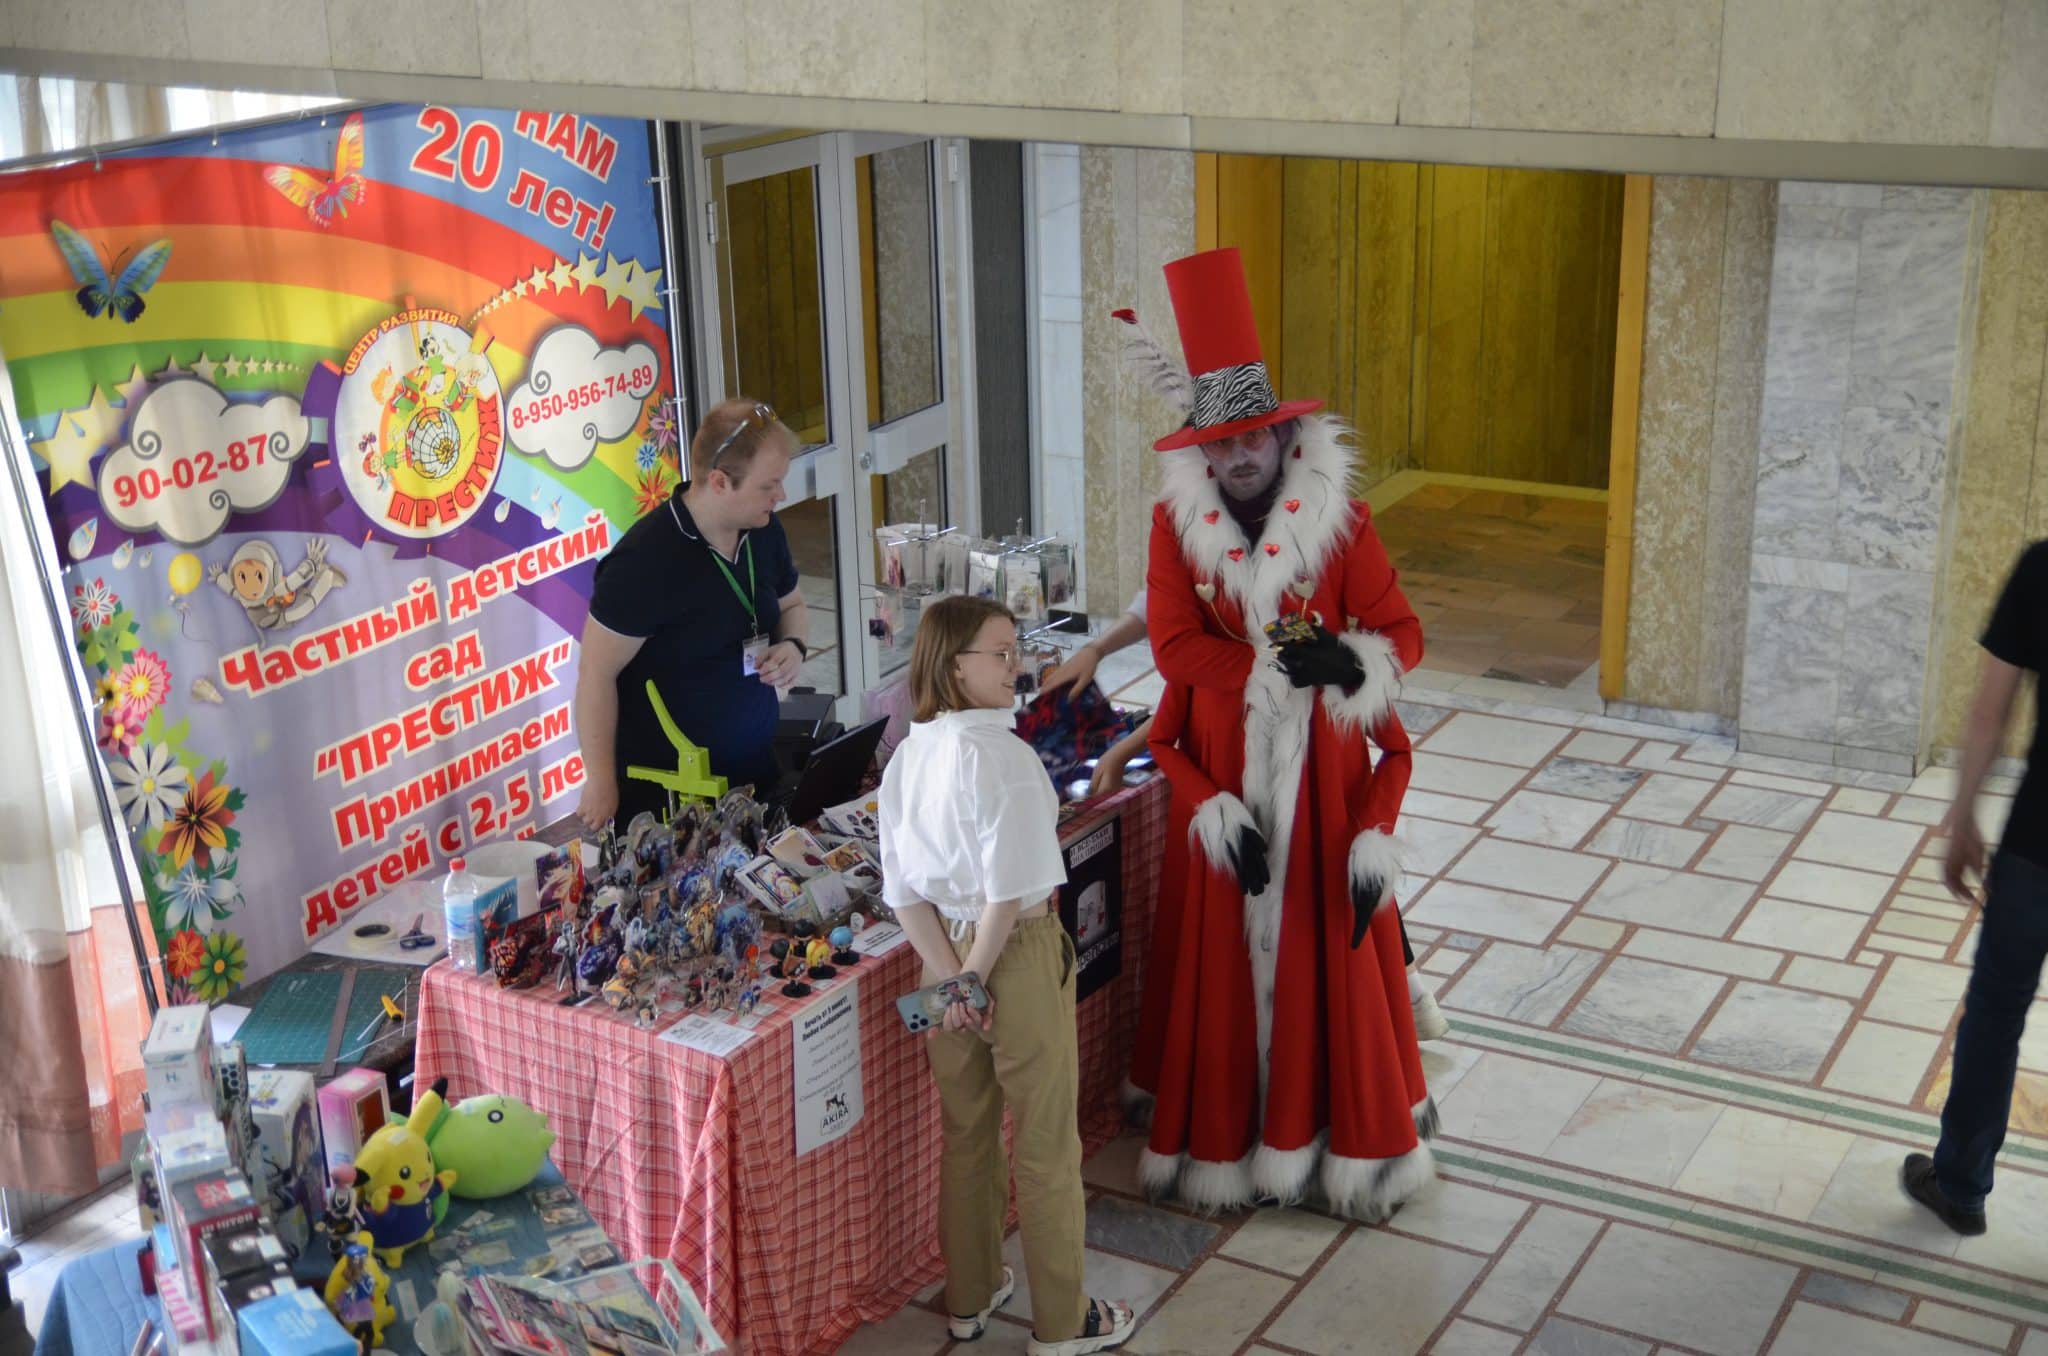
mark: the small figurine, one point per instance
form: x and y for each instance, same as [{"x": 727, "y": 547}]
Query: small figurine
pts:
[
  {"x": 439, "y": 1330},
  {"x": 749, "y": 999},
  {"x": 644, "y": 1019},
  {"x": 356, "y": 1293},
  {"x": 843, "y": 954},
  {"x": 399, "y": 1185},
  {"x": 343, "y": 1219}
]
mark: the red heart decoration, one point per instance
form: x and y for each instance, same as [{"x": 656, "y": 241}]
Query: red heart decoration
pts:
[
  {"x": 1272, "y": 548},
  {"x": 1297, "y": 457},
  {"x": 1292, "y": 506},
  {"x": 1211, "y": 516},
  {"x": 1236, "y": 553}
]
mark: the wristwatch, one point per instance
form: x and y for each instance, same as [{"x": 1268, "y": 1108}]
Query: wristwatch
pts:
[{"x": 801, "y": 648}]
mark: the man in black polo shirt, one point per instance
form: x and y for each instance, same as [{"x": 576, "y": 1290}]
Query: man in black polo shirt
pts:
[
  {"x": 700, "y": 596},
  {"x": 2014, "y": 940}
]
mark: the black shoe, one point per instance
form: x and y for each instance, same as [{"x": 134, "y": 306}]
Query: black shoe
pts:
[{"x": 1917, "y": 1177}]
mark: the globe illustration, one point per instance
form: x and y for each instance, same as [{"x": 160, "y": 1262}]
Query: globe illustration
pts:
[{"x": 433, "y": 442}]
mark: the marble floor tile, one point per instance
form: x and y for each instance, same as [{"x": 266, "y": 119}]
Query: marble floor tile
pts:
[
  {"x": 1934, "y": 902},
  {"x": 1589, "y": 780},
  {"x": 1284, "y": 1240},
  {"x": 1798, "y": 786},
  {"x": 1443, "y": 961},
  {"x": 1461, "y": 1214},
  {"x": 1597, "y": 933},
  {"x": 1914, "y": 810},
  {"x": 1828, "y": 1288},
  {"x": 1156, "y": 1236},
  {"x": 1774, "y": 1165},
  {"x": 1865, "y": 1200},
  {"x": 1634, "y": 1131},
  {"x": 1832, "y": 933},
  {"x": 1538, "y": 817},
  {"x": 1495, "y": 739},
  {"x": 1760, "y": 808},
  {"x": 1702, "y": 954},
  {"x": 1220, "y": 1306},
  {"x": 910, "y": 1331},
  {"x": 1493, "y": 913},
  {"x": 1675, "y": 900},
  {"x": 1861, "y": 842},
  {"x": 1844, "y": 981},
  {"x": 1115, "y": 1165},
  {"x": 1639, "y": 841},
  {"x": 1680, "y": 1290},
  {"x": 1414, "y": 1288},
  {"x": 1419, "y": 719},
  {"x": 1528, "y": 1275},
  {"x": 1858, "y": 800},
  {"x": 1660, "y": 757},
  {"x": 1528, "y": 869},
  {"x": 1835, "y": 886},
  {"x": 1919, "y": 993},
  {"x": 1445, "y": 1064},
  {"x": 1428, "y": 845},
  {"x": 1812, "y": 1330},
  {"x": 1522, "y": 984},
  {"x": 1514, "y": 1103},
  {"x": 1453, "y": 776},
  {"x": 1600, "y": 748},
  {"x": 1745, "y": 853},
  {"x": 1785, "y": 1033},
  {"x": 1667, "y": 798},
  {"x": 1905, "y": 923},
  {"x": 1905, "y": 946},
  {"x": 1436, "y": 805},
  {"x": 1105, "y": 1274},
  {"x": 1562, "y": 1337},
  {"x": 2017, "y": 1241},
  {"x": 1995, "y": 1333},
  {"x": 1645, "y": 1004},
  {"x": 1465, "y": 1338}
]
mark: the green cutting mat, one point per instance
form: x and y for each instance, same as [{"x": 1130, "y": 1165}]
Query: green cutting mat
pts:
[{"x": 290, "y": 1023}]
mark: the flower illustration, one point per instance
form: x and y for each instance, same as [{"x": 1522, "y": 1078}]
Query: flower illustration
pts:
[
  {"x": 119, "y": 730},
  {"x": 186, "y": 951},
  {"x": 177, "y": 991},
  {"x": 652, "y": 491},
  {"x": 222, "y": 963},
  {"x": 194, "y": 898},
  {"x": 199, "y": 827},
  {"x": 142, "y": 684},
  {"x": 661, "y": 426},
  {"x": 150, "y": 785},
  {"x": 92, "y": 605},
  {"x": 648, "y": 455}
]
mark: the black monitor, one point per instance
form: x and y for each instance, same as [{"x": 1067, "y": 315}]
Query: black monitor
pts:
[{"x": 835, "y": 772}]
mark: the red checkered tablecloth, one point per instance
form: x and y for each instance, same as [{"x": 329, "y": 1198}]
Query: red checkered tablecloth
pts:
[{"x": 684, "y": 1155}]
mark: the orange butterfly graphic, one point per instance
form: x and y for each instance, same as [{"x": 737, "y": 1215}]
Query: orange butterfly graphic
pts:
[{"x": 325, "y": 200}]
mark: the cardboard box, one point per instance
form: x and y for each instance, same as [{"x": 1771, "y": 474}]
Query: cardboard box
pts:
[
  {"x": 282, "y": 1105},
  {"x": 295, "y": 1323},
  {"x": 200, "y": 1209},
  {"x": 352, "y": 1108},
  {"x": 234, "y": 1252},
  {"x": 177, "y": 1059}
]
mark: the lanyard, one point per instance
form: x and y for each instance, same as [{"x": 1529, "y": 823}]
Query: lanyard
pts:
[{"x": 747, "y": 597}]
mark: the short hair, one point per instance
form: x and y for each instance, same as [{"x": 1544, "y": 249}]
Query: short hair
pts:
[
  {"x": 947, "y": 627},
  {"x": 750, "y": 424}
]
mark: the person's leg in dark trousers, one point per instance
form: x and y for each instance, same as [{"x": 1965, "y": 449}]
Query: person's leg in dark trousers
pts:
[{"x": 2010, "y": 951}]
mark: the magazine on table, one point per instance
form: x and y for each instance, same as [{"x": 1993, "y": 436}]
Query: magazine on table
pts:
[{"x": 600, "y": 1313}]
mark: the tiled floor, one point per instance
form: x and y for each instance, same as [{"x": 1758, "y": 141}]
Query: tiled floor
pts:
[
  {"x": 88, "y": 1226},
  {"x": 1702, "y": 1004}
]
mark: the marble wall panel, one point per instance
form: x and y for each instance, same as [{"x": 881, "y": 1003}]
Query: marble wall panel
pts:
[
  {"x": 1791, "y": 682},
  {"x": 1650, "y": 65}
]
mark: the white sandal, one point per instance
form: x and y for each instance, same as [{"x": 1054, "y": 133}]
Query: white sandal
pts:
[
  {"x": 972, "y": 1326},
  {"x": 1122, "y": 1323}
]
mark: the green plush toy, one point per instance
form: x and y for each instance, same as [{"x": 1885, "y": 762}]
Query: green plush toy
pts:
[{"x": 495, "y": 1145}]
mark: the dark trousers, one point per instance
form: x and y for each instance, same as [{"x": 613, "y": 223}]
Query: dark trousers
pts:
[{"x": 2010, "y": 950}]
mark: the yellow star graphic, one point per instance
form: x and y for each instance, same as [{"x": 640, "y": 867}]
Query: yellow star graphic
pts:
[
  {"x": 80, "y": 436},
  {"x": 642, "y": 292},
  {"x": 231, "y": 368},
  {"x": 171, "y": 369},
  {"x": 585, "y": 272},
  {"x": 536, "y": 281},
  {"x": 614, "y": 279},
  {"x": 205, "y": 368},
  {"x": 558, "y": 276},
  {"x": 136, "y": 387}
]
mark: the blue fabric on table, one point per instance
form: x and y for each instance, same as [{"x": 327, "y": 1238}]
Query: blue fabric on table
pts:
[{"x": 97, "y": 1306}]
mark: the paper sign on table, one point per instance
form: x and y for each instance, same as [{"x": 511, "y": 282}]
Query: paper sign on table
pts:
[
  {"x": 879, "y": 939},
  {"x": 708, "y": 1034},
  {"x": 827, "y": 1068}
]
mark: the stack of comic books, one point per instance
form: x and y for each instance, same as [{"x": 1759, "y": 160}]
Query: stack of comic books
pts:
[{"x": 600, "y": 1313}]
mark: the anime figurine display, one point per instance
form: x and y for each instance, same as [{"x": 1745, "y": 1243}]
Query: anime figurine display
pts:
[
  {"x": 343, "y": 1217},
  {"x": 401, "y": 1190},
  {"x": 357, "y": 1291}
]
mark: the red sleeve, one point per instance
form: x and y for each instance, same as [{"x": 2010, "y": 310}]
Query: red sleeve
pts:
[
  {"x": 1182, "y": 646},
  {"x": 1372, "y": 594}
]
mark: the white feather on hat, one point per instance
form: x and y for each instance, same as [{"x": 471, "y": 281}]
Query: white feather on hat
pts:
[{"x": 1150, "y": 362}]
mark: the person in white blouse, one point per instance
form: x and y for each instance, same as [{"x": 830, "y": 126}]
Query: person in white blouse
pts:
[{"x": 970, "y": 861}]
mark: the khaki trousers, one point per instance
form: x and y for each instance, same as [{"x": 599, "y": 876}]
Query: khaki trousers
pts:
[{"x": 1029, "y": 1058}]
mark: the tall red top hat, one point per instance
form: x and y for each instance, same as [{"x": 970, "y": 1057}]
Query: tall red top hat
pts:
[{"x": 1232, "y": 393}]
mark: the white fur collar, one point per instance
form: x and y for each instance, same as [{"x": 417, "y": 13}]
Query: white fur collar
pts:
[{"x": 1311, "y": 519}]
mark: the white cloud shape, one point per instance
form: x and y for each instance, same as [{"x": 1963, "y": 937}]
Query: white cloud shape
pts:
[
  {"x": 577, "y": 394},
  {"x": 193, "y": 457}
]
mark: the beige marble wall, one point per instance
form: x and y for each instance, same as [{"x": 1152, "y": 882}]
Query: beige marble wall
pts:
[
  {"x": 2001, "y": 484},
  {"x": 1703, "y": 350},
  {"x": 1137, "y": 213}
]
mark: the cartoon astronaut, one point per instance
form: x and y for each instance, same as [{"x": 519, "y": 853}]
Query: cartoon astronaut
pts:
[{"x": 255, "y": 577}]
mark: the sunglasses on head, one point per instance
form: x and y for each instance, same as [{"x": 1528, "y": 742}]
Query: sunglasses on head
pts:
[{"x": 762, "y": 414}]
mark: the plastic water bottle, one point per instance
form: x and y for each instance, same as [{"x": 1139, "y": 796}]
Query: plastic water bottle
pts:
[{"x": 458, "y": 908}]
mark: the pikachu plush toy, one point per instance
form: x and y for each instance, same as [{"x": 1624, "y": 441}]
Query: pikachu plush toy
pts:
[{"x": 401, "y": 1192}]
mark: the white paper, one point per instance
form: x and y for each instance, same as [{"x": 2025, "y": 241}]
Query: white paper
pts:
[
  {"x": 707, "y": 1034},
  {"x": 227, "y": 1020},
  {"x": 408, "y": 1299},
  {"x": 827, "y": 1068},
  {"x": 879, "y": 939}
]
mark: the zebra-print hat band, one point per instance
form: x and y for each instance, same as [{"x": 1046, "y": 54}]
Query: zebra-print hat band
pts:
[{"x": 1232, "y": 393}]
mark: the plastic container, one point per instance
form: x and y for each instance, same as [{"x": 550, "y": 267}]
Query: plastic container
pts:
[{"x": 458, "y": 907}]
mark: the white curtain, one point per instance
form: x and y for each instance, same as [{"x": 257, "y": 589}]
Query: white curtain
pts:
[{"x": 41, "y": 115}]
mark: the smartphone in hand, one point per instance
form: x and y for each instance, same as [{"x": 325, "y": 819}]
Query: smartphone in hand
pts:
[{"x": 926, "y": 1008}]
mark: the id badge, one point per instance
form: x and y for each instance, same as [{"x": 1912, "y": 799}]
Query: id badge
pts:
[{"x": 750, "y": 655}]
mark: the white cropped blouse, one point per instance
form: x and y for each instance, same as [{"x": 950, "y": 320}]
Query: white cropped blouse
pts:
[{"x": 968, "y": 817}]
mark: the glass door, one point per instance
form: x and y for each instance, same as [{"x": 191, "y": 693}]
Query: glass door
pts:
[{"x": 823, "y": 258}]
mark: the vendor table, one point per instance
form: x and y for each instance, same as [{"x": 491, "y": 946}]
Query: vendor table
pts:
[{"x": 690, "y": 1156}]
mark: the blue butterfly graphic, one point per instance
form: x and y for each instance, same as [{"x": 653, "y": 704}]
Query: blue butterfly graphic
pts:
[{"x": 99, "y": 295}]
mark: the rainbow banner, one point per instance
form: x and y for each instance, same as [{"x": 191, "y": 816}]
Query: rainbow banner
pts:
[{"x": 332, "y": 419}]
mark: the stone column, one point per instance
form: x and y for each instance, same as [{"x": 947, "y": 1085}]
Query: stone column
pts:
[{"x": 1869, "y": 288}]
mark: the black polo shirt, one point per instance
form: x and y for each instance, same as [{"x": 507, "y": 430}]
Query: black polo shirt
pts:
[
  {"x": 2018, "y": 634},
  {"x": 662, "y": 584}
]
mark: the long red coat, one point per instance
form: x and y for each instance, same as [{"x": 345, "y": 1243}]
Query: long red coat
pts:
[{"x": 1269, "y": 1047}]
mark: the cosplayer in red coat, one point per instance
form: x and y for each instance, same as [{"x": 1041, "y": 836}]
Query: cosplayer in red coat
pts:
[{"x": 1277, "y": 1039}]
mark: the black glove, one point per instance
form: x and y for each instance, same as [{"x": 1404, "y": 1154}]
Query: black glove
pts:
[
  {"x": 1365, "y": 898},
  {"x": 1322, "y": 661},
  {"x": 1248, "y": 861}
]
